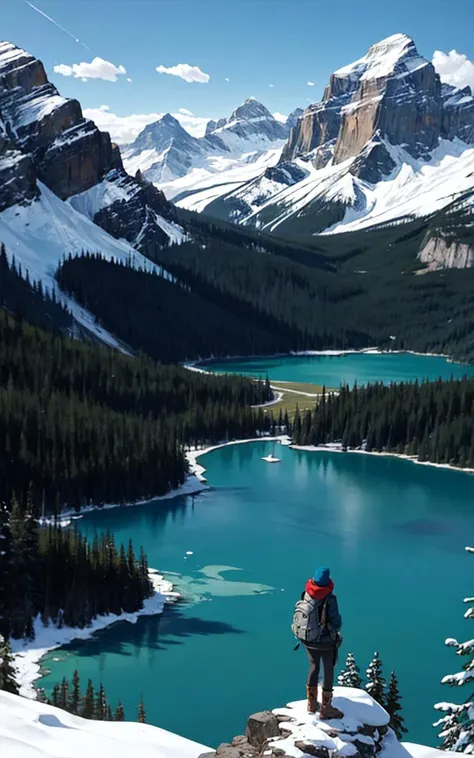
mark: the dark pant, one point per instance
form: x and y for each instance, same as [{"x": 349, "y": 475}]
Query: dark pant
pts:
[{"x": 328, "y": 657}]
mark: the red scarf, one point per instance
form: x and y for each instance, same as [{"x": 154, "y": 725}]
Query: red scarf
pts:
[{"x": 317, "y": 592}]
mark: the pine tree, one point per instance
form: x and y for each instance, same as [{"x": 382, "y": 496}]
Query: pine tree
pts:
[
  {"x": 350, "y": 675},
  {"x": 119, "y": 712},
  {"x": 141, "y": 712},
  {"x": 457, "y": 726},
  {"x": 375, "y": 685},
  {"x": 75, "y": 699},
  {"x": 88, "y": 703},
  {"x": 100, "y": 709},
  {"x": 394, "y": 707},
  {"x": 7, "y": 671}
]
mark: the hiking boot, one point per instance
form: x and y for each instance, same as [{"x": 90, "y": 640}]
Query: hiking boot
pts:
[
  {"x": 328, "y": 711},
  {"x": 312, "y": 695}
]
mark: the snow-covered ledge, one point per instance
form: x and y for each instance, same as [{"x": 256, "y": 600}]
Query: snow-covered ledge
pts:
[{"x": 291, "y": 732}]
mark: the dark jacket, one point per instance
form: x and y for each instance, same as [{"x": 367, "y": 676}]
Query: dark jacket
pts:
[{"x": 333, "y": 616}]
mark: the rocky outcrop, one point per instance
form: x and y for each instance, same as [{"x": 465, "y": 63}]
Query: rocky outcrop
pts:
[
  {"x": 137, "y": 216},
  {"x": 363, "y": 732},
  {"x": 457, "y": 118},
  {"x": 373, "y": 161},
  {"x": 17, "y": 174},
  {"x": 438, "y": 251},
  {"x": 44, "y": 136}
]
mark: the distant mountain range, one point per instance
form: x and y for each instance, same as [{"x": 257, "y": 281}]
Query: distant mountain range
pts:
[
  {"x": 388, "y": 142},
  {"x": 249, "y": 139}
]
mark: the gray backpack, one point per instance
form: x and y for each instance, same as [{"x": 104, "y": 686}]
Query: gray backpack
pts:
[{"x": 309, "y": 619}]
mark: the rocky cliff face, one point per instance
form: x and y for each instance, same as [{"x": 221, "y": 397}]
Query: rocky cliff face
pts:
[
  {"x": 44, "y": 136},
  {"x": 392, "y": 94},
  {"x": 68, "y": 151}
]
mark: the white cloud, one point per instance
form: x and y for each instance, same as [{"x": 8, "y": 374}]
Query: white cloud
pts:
[
  {"x": 454, "y": 68},
  {"x": 128, "y": 79},
  {"x": 280, "y": 117},
  {"x": 96, "y": 69},
  {"x": 310, "y": 84},
  {"x": 124, "y": 129},
  {"x": 186, "y": 72},
  {"x": 271, "y": 85},
  {"x": 227, "y": 80},
  {"x": 185, "y": 112}
]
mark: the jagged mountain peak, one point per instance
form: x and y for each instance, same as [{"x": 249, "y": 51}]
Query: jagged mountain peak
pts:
[
  {"x": 392, "y": 55},
  {"x": 250, "y": 109},
  {"x": 162, "y": 134}
]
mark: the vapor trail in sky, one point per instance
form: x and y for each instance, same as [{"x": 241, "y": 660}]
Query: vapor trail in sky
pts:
[{"x": 73, "y": 36}]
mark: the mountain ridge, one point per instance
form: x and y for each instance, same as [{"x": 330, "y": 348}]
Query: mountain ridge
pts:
[{"x": 387, "y": 140}]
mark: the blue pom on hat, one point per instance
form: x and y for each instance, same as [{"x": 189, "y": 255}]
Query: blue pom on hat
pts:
[{"x": 322, "y": 576}]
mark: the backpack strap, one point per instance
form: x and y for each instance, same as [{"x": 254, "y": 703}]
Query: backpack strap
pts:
[{"x": 323, "y": 615}]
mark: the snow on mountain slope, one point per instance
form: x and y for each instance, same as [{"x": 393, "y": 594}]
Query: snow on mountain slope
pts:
[
  {"x": 176, "y": 162},
  {"x": 388, "y": 140},
  {"x": 201, "y": 186},
  {"x": 41, "y": 233},
  {"x": 414, "y": 188},
  {"x": 29, "y": 729}
]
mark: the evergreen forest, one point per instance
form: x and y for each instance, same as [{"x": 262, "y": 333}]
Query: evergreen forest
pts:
[
  {"x": 57, "y": 575},
  {"x": 84, "y": 423},
  {"x": 429, "y": 420}
]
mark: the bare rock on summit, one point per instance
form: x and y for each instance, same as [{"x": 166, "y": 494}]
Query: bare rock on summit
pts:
[{"x": 390, "y": 94}]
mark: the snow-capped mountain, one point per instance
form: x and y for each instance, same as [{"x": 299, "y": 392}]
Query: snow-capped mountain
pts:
[
  {"x": 44, "y": 138},
  {"x": 387, "y": 141},
  {"x": 164, "y": 151},
  {"x": 250, "y": 139}
]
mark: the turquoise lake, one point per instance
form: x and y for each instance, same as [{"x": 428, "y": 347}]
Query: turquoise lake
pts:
[
  {"x": 333, "y": 370},
  {"x": 393, "y": 533}
]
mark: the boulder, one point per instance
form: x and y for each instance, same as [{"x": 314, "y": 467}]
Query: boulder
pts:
[{"x": 261, "y": 727}]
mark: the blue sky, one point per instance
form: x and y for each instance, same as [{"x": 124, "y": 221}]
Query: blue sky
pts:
[{"x": 252, "y": 43}]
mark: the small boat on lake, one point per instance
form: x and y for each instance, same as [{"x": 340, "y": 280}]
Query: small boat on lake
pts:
[{"x": 271, "y": 459}]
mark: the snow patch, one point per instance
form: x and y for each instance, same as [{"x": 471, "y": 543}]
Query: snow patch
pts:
[{"x": 29, "y": 729}]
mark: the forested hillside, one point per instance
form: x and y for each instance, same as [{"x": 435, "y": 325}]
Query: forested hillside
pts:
[
  {"x": 431, "y": 420},
  {"x": 375, "y": 297},
  {"x": 84, "y": 423},
  {"x": 168, "y": 320}
]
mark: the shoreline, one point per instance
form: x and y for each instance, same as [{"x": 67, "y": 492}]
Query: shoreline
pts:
[
  {"x": 191, "y": 486},
  {"x": 197, "y": 365},
  {"x": 331, "y": 447},
  {"x": 336, "y": 447},
  {"x": 28, "y": 654}
]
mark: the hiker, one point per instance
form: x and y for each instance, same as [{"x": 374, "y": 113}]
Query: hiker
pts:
[{"x": 317, "y": 623}]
